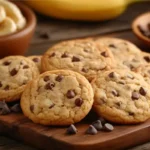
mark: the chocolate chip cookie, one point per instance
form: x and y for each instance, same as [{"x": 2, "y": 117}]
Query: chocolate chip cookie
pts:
[
  {"x": 121, "y": 96},
  {"x": 59, "y": 97},
  {"x": 37, "y": 60},
  {"x": 126, "y": 54},
  {"x": 16, "y": 72},
  {"x": 82, "y": 56},
  {"x": 144, "y": 70}
]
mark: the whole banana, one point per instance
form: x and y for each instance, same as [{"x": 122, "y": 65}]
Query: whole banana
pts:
[{"x": 89, "y": 10}]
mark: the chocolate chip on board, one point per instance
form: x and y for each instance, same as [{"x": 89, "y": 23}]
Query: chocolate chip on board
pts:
[
  {"x": 108, "y": 127},
  {"x": 103, "y": 121},
  {"x": 16, "y": 108},
  {"x": 4, "y": 109},
  {"x": 91, "y": 130},
  {"x": 71, "y": 129},
  {"x": 98, "y": 125}
]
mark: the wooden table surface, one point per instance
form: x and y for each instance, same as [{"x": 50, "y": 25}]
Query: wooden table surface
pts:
[{"x": 50, "y": 31}]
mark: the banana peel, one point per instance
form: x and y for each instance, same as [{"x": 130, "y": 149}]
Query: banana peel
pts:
[{"x": 86, "y": 10}]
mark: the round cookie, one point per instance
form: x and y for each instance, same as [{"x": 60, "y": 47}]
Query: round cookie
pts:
[
  {"x": 121, "y": 96},
  {"x": 82, "y": 56},
  {"x": 37, "y": 60},
  {"x": 144, "y": 70},
  {"x": 126, "y": 54},
  {"x": 59, "y": 97},
  {"x": 16, "y": 72}
]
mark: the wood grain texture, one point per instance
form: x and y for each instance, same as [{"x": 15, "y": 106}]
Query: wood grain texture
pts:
[{"x": 55, "y": 138}]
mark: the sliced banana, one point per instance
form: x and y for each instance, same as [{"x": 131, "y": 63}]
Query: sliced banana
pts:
[
  {"x": 2, "y": 14},
  {"x": 14, "y": 13},
  {"x": 7, "y": 26}
]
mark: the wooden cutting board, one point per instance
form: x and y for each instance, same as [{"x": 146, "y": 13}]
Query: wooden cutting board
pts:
[{"x": 54, "y": 138}]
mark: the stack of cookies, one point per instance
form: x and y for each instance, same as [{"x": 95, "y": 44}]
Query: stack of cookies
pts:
[{"x": 110, "y": 75}]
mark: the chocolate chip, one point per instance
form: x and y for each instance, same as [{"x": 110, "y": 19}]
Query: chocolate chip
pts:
[
  {"x": 103, "y": 121},
  {"x": 115, "y": 93},
  {"x": 121, "y": 82},
  {"x": 6, "y": 87},
  {"x": 108, "y": 127},
  {"x": 78, "y": 102},
  {"x": 6, "y": 63},
  {"x": 64, "y": 55},
  {"x": 16, "y": 108},
  {"x": 4, "y": 109},
  {"x": 36, "y": 59},
  {"x": 71, "y": 129},
  {"x": 44, "y": 35},
  {"x": 1, "y": 84},
  {"x": 2, "y": 103},
  {"x": 118, "y": 104},
  {"x": 13, "y": 72},
  {"x": 32, "y": 108},
  {"x": 49, "y": 86},
  {"x": 46, "y": 78},
  {"x": 135, "y": 95},
  {"x": 59, "y": 78},
  {"x": 91, "y": 130},
  {"x": 84, "y": 70},
  {"x": 75, "y": 59},
  {"x": 98, "y": 125},
  {"x": 85, "y": 50},
  {"x": 71, "y": 94},
  {"x": 131, "y": 113},
  {"x": 25, "y": 67},
  {"x": 105, "y": 54},
  {"x": 147, "y": 58},
  {"x": 111, "y": 75},
  {"x": 142, "y": 91},
  {"x": 51, "y": 106},
  {"x": 112, "y": 45},
  {"x": 52, "y": 55}
]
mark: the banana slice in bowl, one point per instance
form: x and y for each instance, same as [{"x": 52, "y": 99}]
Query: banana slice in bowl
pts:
[
  {"x": 2, "y": 14},
  {"x": 14, "y": 13},
  {"x": 7, "y": 26}
]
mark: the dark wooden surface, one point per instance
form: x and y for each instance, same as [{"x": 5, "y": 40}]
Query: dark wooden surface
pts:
[
  {"x": 55, "y": 138},
  {"x": 62, "y": 30}
]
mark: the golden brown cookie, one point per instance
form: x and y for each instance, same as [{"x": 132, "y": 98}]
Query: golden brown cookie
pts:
[
  {"x": 59, "y": 97},
  {"x": 121, "y": 96},
  {"x": 16, "y": 72},
  {"x": 37, "y": 60},
  {"x": 82, "y": 56}
]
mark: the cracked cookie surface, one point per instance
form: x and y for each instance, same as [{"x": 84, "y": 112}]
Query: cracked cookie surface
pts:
[
  {"x": 126, "y": 54},
  {"x": 16, "y": 72},
  {"x": 82, "y": 56},
  {"x": 37, "y": 60},
  {"x": 121, "y": 96},
  {"x": 59, "y": 97},
  {"x": 144, "y": 70}
]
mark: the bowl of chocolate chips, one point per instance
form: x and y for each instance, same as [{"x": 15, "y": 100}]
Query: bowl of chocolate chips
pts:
[{"x": 141, "y": 27}]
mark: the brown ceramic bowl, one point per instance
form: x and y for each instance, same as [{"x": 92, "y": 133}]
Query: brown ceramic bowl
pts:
[
  {"x": 17, "y": 43},
  {"x": 143, "y": 21}
]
